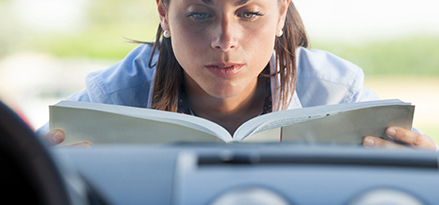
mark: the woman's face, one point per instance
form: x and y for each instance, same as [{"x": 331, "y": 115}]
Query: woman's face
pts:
[{"x": 223, "y": 45}]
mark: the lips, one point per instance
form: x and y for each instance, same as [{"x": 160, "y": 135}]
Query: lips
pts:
[{"x": 225, "y": 70}]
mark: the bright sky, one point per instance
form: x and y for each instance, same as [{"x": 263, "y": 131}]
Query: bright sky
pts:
[
  {"x": 368, "y": 18},
  {"x": 50, "y": 15}
]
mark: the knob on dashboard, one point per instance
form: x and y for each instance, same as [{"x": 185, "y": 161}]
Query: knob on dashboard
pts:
[{"x": 250, "y": 195}]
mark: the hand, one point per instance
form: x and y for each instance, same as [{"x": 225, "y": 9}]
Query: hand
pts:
[
  {"x": 57, "y": 136},
  {"x": 409, "y": 137}
]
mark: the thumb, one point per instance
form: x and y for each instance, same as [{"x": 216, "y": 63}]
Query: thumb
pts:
[{"x": 55, "y": 136}]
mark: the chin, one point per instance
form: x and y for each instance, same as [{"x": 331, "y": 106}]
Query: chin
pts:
[
  {"x": 227, "y": 89},
  {"x": 224, "y": 93}
]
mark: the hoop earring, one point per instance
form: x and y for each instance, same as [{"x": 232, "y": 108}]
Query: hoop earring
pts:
[
  {"x": 280, "y": 33},
  {"x": 166, "y": 34}
]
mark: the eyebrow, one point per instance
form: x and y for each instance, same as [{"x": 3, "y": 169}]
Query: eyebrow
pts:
[{"x": 241, "y": 2}]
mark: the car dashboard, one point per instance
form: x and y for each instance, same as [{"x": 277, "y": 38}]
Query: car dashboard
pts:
[{"x": 256, "y": 174}]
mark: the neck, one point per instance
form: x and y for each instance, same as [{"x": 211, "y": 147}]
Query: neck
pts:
[{"x": 229, "y": 112}]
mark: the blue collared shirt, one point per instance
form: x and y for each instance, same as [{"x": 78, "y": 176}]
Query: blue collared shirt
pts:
[{"x": 322, "y": 79}]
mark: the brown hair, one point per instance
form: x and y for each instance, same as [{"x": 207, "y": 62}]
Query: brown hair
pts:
[{"x": 169, "y": 74}]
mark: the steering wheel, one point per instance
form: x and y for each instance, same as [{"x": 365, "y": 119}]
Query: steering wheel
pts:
[{"x": 27, "y": 170}]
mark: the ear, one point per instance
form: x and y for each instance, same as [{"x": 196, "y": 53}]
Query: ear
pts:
[
  {"x": 283, "y": 13},
  {"x": 163, "y": 11}
]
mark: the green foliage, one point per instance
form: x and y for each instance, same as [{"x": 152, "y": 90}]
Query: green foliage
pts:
[
  {"x": 408, "y": 56},
  {"x": 105, "y": 33},
  {"x": 92, "y": 44}
]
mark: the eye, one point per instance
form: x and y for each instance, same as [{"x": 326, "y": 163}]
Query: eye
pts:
[
  {"x": 199, "y": 15},
  {"x": 250, "y": 15}
]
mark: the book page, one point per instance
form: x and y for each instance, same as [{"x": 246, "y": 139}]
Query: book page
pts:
[
  {"x": 102, "y": 123},
  {"x": 350, "y": 127},
  {"x": 271, "y": 135},
  {"x": 287, "y": 121},
  {"x": 288, "y": 117}
]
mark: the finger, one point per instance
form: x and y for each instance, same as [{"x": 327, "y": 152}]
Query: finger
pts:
[
  {"x": 411, "y": 137},
  {"x": 370, "y": 141},
  {"x": 55, "y": 136}
]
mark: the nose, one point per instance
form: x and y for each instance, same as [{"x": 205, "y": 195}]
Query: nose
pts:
[{"x": 225, "y": 35}]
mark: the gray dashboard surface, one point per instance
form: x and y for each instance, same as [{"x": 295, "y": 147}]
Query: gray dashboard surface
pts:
[{"x": 201, "y": 173}]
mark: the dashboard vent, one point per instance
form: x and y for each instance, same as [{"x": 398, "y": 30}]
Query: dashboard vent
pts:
[{"x": 236, "y": 159}]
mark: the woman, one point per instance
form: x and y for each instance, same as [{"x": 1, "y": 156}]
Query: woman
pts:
[{"x": 229, "y": 61}]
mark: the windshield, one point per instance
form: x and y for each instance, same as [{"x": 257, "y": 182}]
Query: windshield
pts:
[{"x": 48, "y": 48}]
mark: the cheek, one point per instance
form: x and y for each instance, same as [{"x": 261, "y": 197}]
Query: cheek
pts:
[
  {"x": 268, "y": 36},
  {"x": 259, "y": 44},
  {"x": 263, "y": 40},
  {"x": 187, "y": 44}
]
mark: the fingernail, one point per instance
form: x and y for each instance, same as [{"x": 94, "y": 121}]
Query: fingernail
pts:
[
  {"x": 368, "y": 142},
  {"x": 84, "y": 144},
  {"x": 58, "y": 137},
  {"x": 391, "y": 132}
]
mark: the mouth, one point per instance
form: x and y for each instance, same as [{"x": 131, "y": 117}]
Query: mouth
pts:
[{"x": 225, "y": 70}]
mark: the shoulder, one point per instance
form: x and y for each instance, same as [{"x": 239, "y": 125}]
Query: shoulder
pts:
[
  {"x": 324, "y": 78},
  {"x": 128, "y": 82},
  {"x": 326, "y": 66}
]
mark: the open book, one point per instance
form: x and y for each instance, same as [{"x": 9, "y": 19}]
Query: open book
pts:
[{"x": 341, "y": 123}]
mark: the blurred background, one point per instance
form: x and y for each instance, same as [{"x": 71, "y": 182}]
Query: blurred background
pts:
[{"x": 48, "y": 46}]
